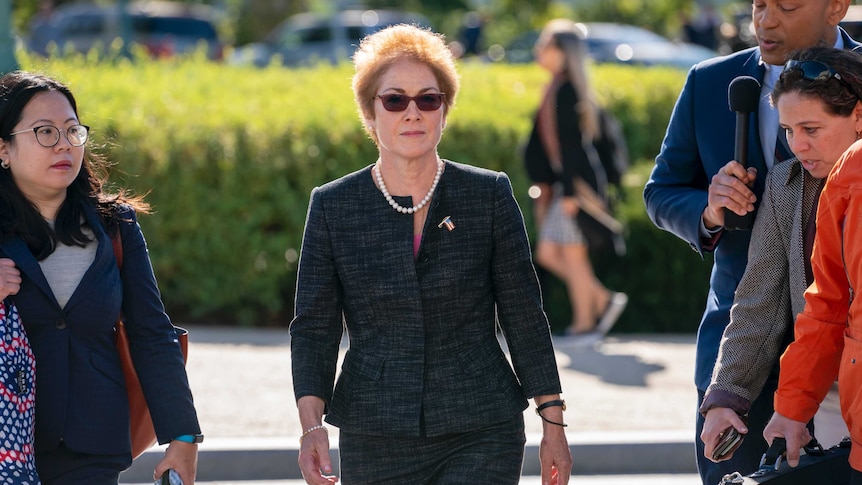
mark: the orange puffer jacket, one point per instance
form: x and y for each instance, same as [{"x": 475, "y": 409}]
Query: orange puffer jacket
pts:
[{"x": 829, "y": 331}]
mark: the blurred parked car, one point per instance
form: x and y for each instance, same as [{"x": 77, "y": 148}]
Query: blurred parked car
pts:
[
  {"x": 307, "y": 38},
  {"x": 163, "y": 28},
  {"x": 615, "y": 43}
]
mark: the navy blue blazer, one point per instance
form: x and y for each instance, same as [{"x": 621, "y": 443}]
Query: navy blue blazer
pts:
[
  {"x": 698, "y": 143},
  {"x": 80, "y": 388},
  {"x": 423, "y": 341}
]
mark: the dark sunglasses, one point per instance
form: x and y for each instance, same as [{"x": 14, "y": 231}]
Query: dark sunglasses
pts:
[
  {"x": 399, "y": 102},
  {"x": 818, "y": 71}
]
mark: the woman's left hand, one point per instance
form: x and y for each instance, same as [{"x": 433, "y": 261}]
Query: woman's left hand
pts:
[
  {"x": 555, "y": 457},
  {"x": 183, "y": 458}
]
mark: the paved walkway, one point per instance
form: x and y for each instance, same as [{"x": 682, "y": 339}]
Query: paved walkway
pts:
[
  {"x": 684, "y": 479},
  {"x": 630, "y": 403}
]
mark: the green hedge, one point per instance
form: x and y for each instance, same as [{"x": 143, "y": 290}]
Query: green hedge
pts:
[{"x": 228, "y": 156}]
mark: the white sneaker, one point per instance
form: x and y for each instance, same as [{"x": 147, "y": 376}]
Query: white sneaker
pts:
[
  {"x": 584, "y": 340},
  {"x": 616, "y": 305}
]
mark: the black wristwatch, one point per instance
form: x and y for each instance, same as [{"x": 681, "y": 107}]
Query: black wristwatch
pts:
[{"x": 550, "y": 404}]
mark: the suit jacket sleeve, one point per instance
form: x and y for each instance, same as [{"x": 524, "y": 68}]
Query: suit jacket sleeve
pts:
[
  {"x": 316, "y": 329},
  {"x": 518, "y": 298},
  {"x": 761, "y": 314},
  {"x": 676, "y": 193},
  {"x": 153, "y": 341}
]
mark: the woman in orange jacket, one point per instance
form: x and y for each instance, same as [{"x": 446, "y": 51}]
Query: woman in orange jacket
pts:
[{"x": 828, "y": 332}]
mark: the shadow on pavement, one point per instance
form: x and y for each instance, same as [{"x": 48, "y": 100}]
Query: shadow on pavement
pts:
[{"x": 618, "y": 369}]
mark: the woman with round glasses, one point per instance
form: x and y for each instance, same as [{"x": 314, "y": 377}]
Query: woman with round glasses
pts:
[
  {"x": 57, "y": 263},
  {"x": 565, "y": 169},
  {"x": 828, "y": 331},
  {"x": 818, "y": 108},
  {"x": 420, "y": 259}
]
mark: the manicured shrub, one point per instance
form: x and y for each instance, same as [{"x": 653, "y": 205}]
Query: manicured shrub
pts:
[{"x": 228, "y": 156}]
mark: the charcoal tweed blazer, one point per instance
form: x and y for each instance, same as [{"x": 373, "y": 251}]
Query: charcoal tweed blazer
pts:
[
  {"x": 423, "y": 343},
  {"x": 80, "y": 388},
  {"x": 771, "y": 292}
]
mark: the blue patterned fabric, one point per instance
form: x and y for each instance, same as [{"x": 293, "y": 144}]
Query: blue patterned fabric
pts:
[{"x": 17, "y": 400}]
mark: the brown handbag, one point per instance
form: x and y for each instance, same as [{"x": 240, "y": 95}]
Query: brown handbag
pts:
[{"x": 141, "y": 423}]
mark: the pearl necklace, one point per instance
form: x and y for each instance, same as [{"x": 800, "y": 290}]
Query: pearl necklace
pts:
[{"x": 417, "y": 207}]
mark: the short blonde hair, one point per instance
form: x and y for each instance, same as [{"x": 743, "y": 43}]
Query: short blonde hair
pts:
[{"x": 380, "y": 50}]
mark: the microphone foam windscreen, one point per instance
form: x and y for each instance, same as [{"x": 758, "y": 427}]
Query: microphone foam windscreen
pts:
[{"x": 743, "y": 94}]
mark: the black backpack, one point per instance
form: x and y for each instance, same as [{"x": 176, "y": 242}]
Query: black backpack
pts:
[{"x": 611, "y": 148}]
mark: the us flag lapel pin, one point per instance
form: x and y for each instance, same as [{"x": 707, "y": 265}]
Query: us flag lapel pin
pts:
[{"x": 447, "y": 222}]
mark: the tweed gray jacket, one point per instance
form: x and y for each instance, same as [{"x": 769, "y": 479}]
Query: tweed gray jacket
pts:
[
  {"x": 424, "y": 353},
  {"x": 771, "y": 292}
]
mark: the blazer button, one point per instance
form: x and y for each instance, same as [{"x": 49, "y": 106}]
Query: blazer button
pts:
[
  {"x": 60, "y": 324},
  {"x": 423, "y": 259}
]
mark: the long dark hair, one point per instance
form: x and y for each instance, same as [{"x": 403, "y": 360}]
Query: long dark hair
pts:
[
  {"x": 19, "y": 217},
  {"x": 567, "y": 36}
]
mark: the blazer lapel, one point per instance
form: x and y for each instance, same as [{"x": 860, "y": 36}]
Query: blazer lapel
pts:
[
  {"x": 104, "y": 257},
  {"x": 754, "y": 67},
  {"x": 17, "y": 250},
  {"x": 435, "y": 230}
]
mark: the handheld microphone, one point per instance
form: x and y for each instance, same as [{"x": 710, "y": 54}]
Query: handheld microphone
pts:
[{"x": 743, "y": 95}]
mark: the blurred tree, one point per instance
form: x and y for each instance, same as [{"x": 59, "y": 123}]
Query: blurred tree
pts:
[
  {"x": 7, "y": 42},
  {"x": 418, "y": 6},
  {"x": 256, "y": 18},
  {"x": 660, "y": 16}
]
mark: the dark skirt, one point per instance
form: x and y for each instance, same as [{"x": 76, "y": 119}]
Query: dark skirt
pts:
[
  {"x": 488, "y": 455},
  {"x": 62, "y": 466}
]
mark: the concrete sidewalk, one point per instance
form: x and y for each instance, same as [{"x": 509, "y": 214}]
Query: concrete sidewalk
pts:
[{"x": 631, "y": 404}]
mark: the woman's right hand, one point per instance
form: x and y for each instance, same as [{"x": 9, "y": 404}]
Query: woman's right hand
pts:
[
  {"x": 794, "y": 432},
  {"x": 10, "y": 278},
  {"x": 718, "y": 420},
  {"x": 314, "y": 457},
  {"x": 570, "y": 205}
]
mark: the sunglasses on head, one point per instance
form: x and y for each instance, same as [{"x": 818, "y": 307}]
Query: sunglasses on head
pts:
[
  {"x": 818, "y": 71},
  {"x": 399, "y": 102}
]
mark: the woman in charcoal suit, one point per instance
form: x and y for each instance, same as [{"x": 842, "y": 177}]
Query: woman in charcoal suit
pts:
[
  {"x": 818, "y": 105},
  {"x": 419, "y": 257}
]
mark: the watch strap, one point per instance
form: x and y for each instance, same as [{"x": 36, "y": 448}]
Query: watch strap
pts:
[
  {"x": 555, "y": 402},
  {"x": 190, "y": 438}
]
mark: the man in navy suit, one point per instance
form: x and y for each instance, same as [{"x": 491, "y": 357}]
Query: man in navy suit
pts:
[{"x": 695, "y": 178}]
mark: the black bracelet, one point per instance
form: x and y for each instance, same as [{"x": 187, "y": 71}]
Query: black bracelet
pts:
[
  {"x": 555, "y": 402},
  {"x": 553, "y": 422},
  {"x": 549, "y": 404}
]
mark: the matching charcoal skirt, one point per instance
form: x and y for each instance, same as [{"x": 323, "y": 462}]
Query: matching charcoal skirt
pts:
[{"x": 488, "y": 455}]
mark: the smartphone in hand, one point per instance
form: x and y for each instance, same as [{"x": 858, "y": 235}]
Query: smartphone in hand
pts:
[
  {"x": 169, "y": 477},
  {"x": 729, "y": 440}
]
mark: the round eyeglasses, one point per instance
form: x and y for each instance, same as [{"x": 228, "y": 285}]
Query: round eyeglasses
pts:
[{"x": 48, "y": 135}]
